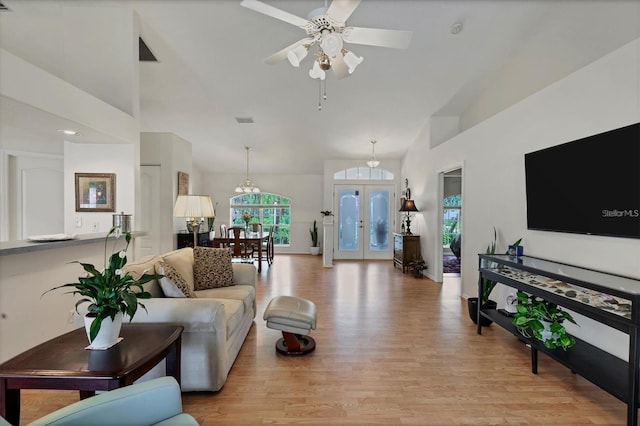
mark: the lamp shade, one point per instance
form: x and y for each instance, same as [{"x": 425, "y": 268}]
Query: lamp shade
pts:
[
  {"x": 408, "y": 206},
  {"x": 193, "y": 206}
]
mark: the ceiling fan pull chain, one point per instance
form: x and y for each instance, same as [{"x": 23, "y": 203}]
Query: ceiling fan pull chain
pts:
[
  {"x": 324, "y": 96},
  {"x": 319, "y": 95}
]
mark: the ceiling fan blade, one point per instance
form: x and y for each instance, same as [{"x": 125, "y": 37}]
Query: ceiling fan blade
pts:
[
  {"x": 274, "y": 12},
  {"x": 377, "y": 37},
  {"x": 282, "y": 54},
  {"x": 339, "y": 67},
  {"x": 341, "y": 10}
]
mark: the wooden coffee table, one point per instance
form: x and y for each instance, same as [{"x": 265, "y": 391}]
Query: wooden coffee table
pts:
[{"x": 63, "y": 363}]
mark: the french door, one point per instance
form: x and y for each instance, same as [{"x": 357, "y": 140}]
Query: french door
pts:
[{"x": 363, "y": 221}]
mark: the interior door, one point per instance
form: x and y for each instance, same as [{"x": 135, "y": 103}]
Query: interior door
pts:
[
  {"x": 36, "y": 186},
  {"x": 363, "y": 225}
]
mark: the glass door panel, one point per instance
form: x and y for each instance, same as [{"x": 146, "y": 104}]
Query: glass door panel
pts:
[
  {"x": 363, "y": 221},
  {"x": 349, "y": 223}
]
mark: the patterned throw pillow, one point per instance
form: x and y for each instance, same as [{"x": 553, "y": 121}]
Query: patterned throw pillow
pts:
[
  {"x": 172, "y": 284},
  {"x": 212, "y": 268}
]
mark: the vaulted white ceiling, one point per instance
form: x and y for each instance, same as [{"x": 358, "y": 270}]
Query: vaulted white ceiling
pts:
[{"x": 211, "y": 71}]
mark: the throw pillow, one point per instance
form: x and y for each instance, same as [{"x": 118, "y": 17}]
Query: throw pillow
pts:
[
  {"x": 172, "y": 284},
  {"x": 212, "y": 268},
  {"x": 182, "y": 261}
]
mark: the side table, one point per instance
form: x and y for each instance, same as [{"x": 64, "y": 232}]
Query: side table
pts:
[{"x": 63, "y": 363}]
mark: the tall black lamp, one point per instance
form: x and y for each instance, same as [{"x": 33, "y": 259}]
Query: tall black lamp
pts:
[{"x": 408, "y": 206}]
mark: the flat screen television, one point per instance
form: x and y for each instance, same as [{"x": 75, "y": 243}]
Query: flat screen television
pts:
[{"x": 587, "y": 186}]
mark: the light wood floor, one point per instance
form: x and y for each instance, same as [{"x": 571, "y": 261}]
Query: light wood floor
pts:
[{"x": 391, "y": 349}]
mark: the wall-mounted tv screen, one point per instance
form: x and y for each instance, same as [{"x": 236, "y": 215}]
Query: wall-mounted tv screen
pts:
[{"x": 588, "y": 186}]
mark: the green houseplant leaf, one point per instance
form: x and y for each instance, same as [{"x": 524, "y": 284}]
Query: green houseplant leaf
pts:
[
  {"x": 487, "y": 284},
  {"x": 543, "y": 320},
  {"x": 112, "y": 290}
]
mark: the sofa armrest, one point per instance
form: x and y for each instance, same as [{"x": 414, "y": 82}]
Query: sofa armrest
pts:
[
  {"x": 145, "y": 403},
  {"x": 244, "y": 273}
]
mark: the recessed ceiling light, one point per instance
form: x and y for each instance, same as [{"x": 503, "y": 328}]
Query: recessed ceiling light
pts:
[{"x": 68, "y": 132}]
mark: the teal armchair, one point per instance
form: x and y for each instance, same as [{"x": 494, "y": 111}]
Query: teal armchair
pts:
[{"x": 154, "y": 402}]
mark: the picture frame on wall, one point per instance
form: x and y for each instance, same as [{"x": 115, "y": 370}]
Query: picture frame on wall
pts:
[
  {"x": 183, "y": 183},
  {"x": 95, "y": 192}
]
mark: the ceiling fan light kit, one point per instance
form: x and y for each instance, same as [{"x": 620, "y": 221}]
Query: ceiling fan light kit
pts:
[{"x": 327, "y": 28}]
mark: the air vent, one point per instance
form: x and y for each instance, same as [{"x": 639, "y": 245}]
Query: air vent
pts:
[
  {"x": 144, "y": 53},
  {"x": 4, "y": 8},
  {"x": 244, "y": 120}
]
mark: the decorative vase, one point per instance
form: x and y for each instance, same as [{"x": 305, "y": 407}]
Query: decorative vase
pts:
[
  {"x": 108, "y": 334},
  {"x": 314, "y": 250}
]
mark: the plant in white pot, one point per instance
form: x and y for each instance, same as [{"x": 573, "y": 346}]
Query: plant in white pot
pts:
[
  {"x": 111, "y": 293},
  {"x": 543, "y": 320},
  {"x": 315, "y": 248}
]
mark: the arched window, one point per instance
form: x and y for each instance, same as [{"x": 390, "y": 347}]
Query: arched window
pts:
[
  {"x": 363, "y": 173},
  {"x": 267, "y": 209}
]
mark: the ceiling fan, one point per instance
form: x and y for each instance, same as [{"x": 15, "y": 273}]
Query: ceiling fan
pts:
[{"x": 326, "y": 27}]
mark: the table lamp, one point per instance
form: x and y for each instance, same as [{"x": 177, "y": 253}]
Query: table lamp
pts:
[
  {"x": 408, "y": 206},
  {"x": 193, "y": 207}
]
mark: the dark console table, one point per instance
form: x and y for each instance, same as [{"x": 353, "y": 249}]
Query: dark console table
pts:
[
  {"x": 406, "y": 249},
  {"x": 610, "y": 299},
  {"x": 186, "y": 240}
]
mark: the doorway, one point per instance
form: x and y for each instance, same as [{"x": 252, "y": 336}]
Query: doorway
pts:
[
  {"x": 363, "y": 221},
  {"x": 35, "y": 188},
  {"x": 450, "y": 224}
]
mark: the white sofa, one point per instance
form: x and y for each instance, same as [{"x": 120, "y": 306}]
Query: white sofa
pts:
[{"x": 215, "y": 323}]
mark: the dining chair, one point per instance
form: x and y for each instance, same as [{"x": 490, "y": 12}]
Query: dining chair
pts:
[
  {"x": 267, "y": 247},
  {"x": 240, "y": 248},
  {"x": 223, "y": 234}
]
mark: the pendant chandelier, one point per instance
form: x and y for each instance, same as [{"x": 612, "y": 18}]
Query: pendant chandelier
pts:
[
  {"x": 247, "y": 186},
  {"x": 373, "y": 163}
]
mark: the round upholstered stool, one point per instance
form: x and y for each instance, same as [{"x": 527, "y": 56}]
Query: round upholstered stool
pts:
[{"x": 295, "y": 317}]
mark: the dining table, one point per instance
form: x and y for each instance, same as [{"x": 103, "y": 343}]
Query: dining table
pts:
[{"x": 256, "y": 238}]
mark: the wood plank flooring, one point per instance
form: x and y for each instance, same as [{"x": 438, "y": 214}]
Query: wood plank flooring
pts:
[{"x": 392, "y": 350}]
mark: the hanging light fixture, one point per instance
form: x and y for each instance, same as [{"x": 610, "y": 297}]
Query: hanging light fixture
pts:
[
  {"x": 373, "y": 163},
  {"x": 247, "y": 186}
]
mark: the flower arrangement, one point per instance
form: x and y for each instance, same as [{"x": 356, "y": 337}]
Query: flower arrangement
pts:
[
  {"x": 246, "y": 216},
  {"x": 111, "y": 291}
]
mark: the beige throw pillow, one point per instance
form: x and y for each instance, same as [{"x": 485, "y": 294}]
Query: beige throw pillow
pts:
[
  {"x": 172, "y": 284},
  {"x": 182, "y": 261},
  {"x": 212, "y": 268}
]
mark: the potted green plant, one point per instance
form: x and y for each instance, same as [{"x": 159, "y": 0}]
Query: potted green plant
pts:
[
  {"x": 315, "y": 248},
  {"x": 541, "y": 319},
  {"x": 486, "y": 288},
  {"x": 111, "y": 293}
]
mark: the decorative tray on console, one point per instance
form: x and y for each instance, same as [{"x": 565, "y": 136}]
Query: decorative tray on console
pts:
[{"x": 613, "y": 304}]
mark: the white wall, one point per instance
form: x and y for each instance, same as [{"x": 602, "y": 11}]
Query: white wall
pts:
[
  {"x": 98, "y": 158},
  {"x": 601, "y": 96},
  {"x": 305, "y": 192},
  {"x": 173, "y": 155}
]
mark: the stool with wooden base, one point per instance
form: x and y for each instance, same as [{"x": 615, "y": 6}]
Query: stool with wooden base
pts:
[{"x": 295, "y": 317}]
